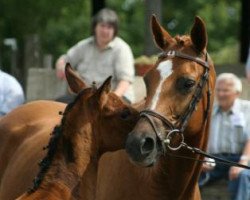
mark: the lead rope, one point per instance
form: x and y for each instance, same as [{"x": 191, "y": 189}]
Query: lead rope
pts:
[{"x": 205, "y": 154}]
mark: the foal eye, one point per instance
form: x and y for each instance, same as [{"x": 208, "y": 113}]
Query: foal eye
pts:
[{"x": 125, "y": 113}]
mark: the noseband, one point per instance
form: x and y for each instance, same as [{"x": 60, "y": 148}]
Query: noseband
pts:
[{"x": 179, "y": 127}]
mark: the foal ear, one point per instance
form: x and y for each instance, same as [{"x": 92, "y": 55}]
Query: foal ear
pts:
[
  {"x": 199, "y": 34},
  {"x": 161, "y": 37},
  {"x": 76, "y": 84},
  {"x": 103, "y": 91}
]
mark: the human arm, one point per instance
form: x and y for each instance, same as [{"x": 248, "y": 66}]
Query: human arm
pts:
[
  {"x": 60, "y": 68},
  {"x": 124, "y": 69},
  {"x": 74, "y": 56},
  {"x": 121, "y": 88},
  {"x": 245, "y": 158}
]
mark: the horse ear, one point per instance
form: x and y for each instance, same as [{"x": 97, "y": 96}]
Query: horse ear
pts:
[
  {"x": 161, "y": 37},
  {"x": 103, "y": 91},
  {"x": 76, "y": 84},
  {"x": 199, "y": 34}
]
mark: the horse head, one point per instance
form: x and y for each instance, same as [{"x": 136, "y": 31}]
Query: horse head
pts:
[
  {"x": 178, "y": 96},
  {"x": 111, "y": 118}
]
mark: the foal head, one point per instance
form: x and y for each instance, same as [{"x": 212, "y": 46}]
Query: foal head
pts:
[
  {"x": 111, "y": 119},
  {"x": 182, "y": 75},
  {"x": 95, "y": 122}
]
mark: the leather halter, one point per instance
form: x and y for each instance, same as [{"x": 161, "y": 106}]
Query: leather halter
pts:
[
  {"x": 187, "y": 114},
  {"x": 179, "y": 127}
]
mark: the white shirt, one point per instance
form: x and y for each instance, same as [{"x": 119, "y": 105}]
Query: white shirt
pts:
[
  {"x": 96, "y": 65},
  {"x": 11, "y": 93},
  {"x": 229, "y": 131}
]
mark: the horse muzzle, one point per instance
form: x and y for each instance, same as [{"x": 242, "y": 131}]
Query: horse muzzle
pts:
[{"x": 142, "y": 149}]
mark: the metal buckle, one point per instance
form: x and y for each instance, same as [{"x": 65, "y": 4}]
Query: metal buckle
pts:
[{"x": 171, "y": 54}]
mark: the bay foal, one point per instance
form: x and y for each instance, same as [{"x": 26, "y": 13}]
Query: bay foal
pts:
[{"x": 96, "y": 122}]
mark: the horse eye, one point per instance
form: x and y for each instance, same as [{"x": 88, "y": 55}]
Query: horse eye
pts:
[
  {"x": 184, "y": 85},
  {"x": 125, "y": 113},
  {"x": 189, "y": 83}
]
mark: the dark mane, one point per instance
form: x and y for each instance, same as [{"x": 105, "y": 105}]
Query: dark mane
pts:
[{"x": 52, "y": 147}]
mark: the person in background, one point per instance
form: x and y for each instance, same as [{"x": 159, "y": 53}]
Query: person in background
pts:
[
  {"x": 229, "y": 137},
  {"x": 102, "y": 55},
  {"x": 248, "y": 66},
  {"x": 11, "y": 93}
]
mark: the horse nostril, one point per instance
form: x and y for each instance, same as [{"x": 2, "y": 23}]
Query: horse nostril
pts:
[{"x": 147, "y": 145}]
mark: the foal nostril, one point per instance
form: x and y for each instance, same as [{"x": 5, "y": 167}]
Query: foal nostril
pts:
[{"x": 147, "y": 145}]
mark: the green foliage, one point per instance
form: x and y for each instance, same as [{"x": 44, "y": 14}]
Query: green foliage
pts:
[
  {"x": 131, "y": 16},
  {"x": 63, "y": 32},
  {"x": 222, "y": 19},
  {"x": 228, "y": 54},
  {"x": 61, "y": 23}
]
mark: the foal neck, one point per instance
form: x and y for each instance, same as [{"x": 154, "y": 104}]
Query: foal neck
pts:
[
  {"x": 76, "y": 149},
  {"x": 70, "y": 151}
]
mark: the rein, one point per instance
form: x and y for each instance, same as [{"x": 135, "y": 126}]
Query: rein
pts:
[{"x": 174, "y": 129}]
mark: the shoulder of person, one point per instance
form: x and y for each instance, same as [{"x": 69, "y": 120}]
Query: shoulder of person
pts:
[
  {"x": 120, "y": 43},
  {"x": 11, "y": 81},
  {"x": 244, "y": 105},
  {"x": 7, "y": 77},
  {"x": 86, "y": 41},
  {"x": 215, "y": 108}
]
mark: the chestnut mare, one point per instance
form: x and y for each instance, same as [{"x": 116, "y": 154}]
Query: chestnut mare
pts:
[
  {"x": 177, "y": 114},
  {"x": 97, "y": 121}
]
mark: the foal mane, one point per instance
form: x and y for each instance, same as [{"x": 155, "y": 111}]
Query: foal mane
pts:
[{"x": 53, "y": 142}]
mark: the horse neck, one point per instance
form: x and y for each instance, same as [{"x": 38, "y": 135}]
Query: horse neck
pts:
[
  {"x": 87, "y": 187},
  {"x": 184, "y": 172},
  {"x": 52, "y": 191},
  {"x": 174, "y": 178},
  {"x": 76, "y": 150}
]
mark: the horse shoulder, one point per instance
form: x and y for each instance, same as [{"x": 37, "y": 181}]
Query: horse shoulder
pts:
[{"x": 22, "y": 138}]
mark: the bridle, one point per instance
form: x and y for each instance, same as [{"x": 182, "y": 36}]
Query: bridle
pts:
[{"x": 179, "y": 127}]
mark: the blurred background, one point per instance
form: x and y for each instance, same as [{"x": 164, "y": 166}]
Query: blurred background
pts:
[{"x": 34, "y": 33}]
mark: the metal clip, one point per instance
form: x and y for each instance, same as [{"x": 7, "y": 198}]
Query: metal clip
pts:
[
  {"x": 169, "y": 136},
  {"x": 171, "y": 54}
]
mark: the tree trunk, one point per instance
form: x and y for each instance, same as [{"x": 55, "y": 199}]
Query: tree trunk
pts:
[
  {"x": 245, "y": 30},
  {"x": 151, "y": 7},
  {"x": 97, "y": 5}
]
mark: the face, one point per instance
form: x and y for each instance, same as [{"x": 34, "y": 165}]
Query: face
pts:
[
  {"x": 104, "y": 33},
  {"x": 117, "y": 120},
  {"x": 171, "y": 87},
  {"x": 226, "y": 94}
]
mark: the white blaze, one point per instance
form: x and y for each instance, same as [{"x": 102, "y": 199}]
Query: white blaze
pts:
[{"x": 165, "y": 70}]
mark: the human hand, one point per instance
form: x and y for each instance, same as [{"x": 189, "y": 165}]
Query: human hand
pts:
[
  {"x": 208, "y": 165},
  {"x": 234, "y": 172},
  {"x": 60, "y": 69}
]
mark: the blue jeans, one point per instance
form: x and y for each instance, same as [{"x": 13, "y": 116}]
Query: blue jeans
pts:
[{"x": 238, "y": 188}]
